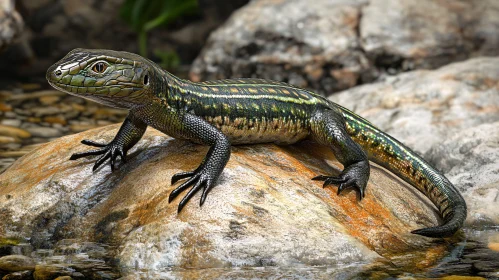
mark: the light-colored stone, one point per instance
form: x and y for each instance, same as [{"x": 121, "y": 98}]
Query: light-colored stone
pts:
[
  {"x": 264, "y": 211},
  {"x": 49, "y": 100},
  {"x": 45, "y": 132},
  {"x": 11, "y": 131},
  {"x": 11, "y": 122},
  {"x": 470, "y": 159},
  {"x": 448, "y": 115},
  {"x": 297, "y": 41},
  {"x": 330, "y": 45},
  {"x": 8, "y": 139},
  {"x": 423, "y": 107},
  {"x": 11, "y": 23}
]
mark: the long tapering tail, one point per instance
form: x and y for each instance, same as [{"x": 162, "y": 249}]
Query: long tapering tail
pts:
[{"x": 405, "y": 163}]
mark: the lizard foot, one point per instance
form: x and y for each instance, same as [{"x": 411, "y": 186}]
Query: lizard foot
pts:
[
  {"x": 108, "y": 151},
  {"x": 200, "y": 178},
  {"x": 353, "y": 176}
]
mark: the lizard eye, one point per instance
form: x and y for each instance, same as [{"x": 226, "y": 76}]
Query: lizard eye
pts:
[{"x": 99, "y": 67}]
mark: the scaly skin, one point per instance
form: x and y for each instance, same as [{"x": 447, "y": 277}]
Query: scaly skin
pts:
[{"x": 242, "y": 111}]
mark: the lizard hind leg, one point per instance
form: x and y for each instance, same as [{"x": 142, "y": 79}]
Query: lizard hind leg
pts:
[{"x": 328, "y": 128}]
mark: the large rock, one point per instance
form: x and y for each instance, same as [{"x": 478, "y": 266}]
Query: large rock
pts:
[
  {"x": 11, "y": 23},
  {"x": 443, "y": 114},
  {"x": 470, "y": 158},
  {"x": 306, "y": 43},
  {"x": 265, "y": 211},
  {"x": 330, "y": 45},
  {"x": 409, "y": 34}
]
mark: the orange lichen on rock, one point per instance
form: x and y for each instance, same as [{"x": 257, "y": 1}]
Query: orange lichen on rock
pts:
[{"x": 265, "y": 209}]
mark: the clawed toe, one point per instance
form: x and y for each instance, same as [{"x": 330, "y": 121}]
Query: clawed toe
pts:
[
  {"x": 108, "y": 151},
  {"x": 198, "y": 180},
  {"x": 342, "y": 182}
]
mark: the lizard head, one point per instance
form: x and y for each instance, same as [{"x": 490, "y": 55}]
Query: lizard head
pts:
[{"x": 117, "y": 79}]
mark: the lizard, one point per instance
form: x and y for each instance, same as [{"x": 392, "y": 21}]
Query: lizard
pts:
[{"x": 242, "y": 111}]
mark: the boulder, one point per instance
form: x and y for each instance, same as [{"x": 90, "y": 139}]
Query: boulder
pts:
[
  {"x": 449, "y": 116},
  {"x": 412, "y": 34},
  {"x": 331, "y": 45},
  {"x": 264, "y": 212},
  {"x": 15, "y": 263},
  {"x": 470, "y": 159},
  {"x": 309, "y": 44},
  {"x": 11, "y": 23}
]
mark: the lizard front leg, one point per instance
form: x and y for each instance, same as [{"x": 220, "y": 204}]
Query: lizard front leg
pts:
[
  {"x": 328, "y": 128},
  {"x": 129, "y": 134},
  {"x": 205, "y": 176}
]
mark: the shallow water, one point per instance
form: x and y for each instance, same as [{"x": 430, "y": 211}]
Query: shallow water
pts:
[{"x": 476, "y": 255}]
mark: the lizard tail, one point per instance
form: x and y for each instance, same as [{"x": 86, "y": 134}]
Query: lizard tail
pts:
[{"x": 409, "y": 166}]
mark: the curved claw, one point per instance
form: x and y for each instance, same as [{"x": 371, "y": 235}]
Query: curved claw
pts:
[
  {"x": 181, "y": 188},
  {"x": 182, "y": 175},
  {"x": 199, "y": 180},
  {"x": 343, "y": 183},
  {"x": 199, "y": 184},
  {"x": 122, "y": 155},
  {"x": 92, "y": 143},
  {"x": 101, "y": 160},
  {"x": 108, "y": 151},
  {"x": 207, "y": 188},
  {"x": 76, "y": 156}
]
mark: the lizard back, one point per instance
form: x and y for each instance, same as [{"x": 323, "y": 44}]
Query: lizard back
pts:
[{"x": 252, "y": 110}]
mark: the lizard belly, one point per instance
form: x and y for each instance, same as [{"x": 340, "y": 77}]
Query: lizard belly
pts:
[{"x": 251, "y": 131}]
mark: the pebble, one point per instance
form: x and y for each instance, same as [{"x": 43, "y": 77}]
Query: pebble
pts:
[
  {"x": 6, "y": 130},
  {"x": 11, "y": 146},
  {"x": 36, "y": 95},
  {"x": 44, "y": 132},
  {"x": 13, "y": 154},
  {"x": 19, "y": 275},
  {"x": 49, "y": 99},
  {"x": 5, "y": 107},
  {"x": 16, "y": 263},
  {"x": 494, "y": 246},
  {"x": 81, "y": 127},
  {"x": 51, "y": 271},
  {"x": 43, "y": 115},
  {"x": 78, "y": 107},
  {"x": 55, "y": 119},
  {"x": 45, "y": 111},
  {"x": 11, "y": 122},
  {"x": 64, "y": 278},
  {"x": 34, "y": 119},
  {"x": 8, "y": 139}
]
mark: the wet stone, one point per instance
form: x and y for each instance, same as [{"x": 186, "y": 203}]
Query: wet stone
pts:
[
  {"x": 19, "y": 275},
  {"x": 16, "y": 263},
  {"x": 51, "y": 271}
]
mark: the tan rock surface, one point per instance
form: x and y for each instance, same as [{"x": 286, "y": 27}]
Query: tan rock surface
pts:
[{"x": 265, "y": 210}]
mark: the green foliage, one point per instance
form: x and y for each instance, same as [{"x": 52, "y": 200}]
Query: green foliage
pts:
[
  {"x": 169, "y": 59},
  {"x": 145, "y": 15}
]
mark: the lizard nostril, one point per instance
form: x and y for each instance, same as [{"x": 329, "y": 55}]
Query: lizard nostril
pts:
[{"x": 58, "y": 73}]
